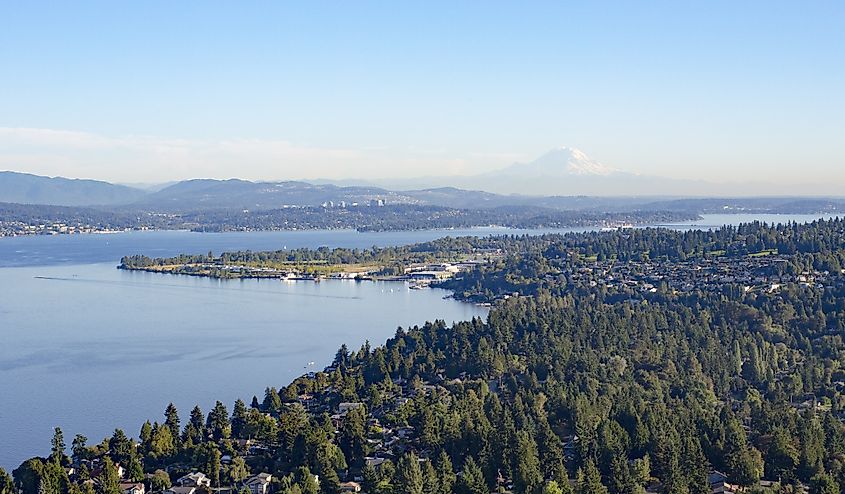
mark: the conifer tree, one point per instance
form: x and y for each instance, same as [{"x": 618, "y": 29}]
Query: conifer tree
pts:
[{"x": 409, "y": 478}]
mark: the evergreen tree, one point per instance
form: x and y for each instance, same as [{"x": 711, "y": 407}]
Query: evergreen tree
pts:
[
  {"x": 589, "y": 480},
  {"x": 194, "y": 432},
  {"x": 352, "y": 438},
  {"x": 306, "y": 482},
  {"x": 371, "y": 478},
  {"x": 146, "y": 435},
  {"x": 134, "y": 470},
  {"x": 171, "y": 420},
  {"x": 471, "y": 480},
  {"x": 108, "y": 481},
  {"x": 621, "y": 480},
  {"x": 812, "y": 439},
  {"x": 552, "y": 487},
  {"x": 239, "y": 419},
  {"x": 57, "y": 452},
  {"x": 782, "y": 457},
  {"x": 528, "y": 478},
  {"x": 822, "y": 483},
  {"x": 217, "y": 423},
  {"x": 446, "y": 477},
  {"x": 162, "y": 443},
  {"x": 409, "y": 478},
  {"x": 237, "y": 471},
  {"x": 743, "y": 463},
  {"x": 430, "y": 480},
  {"x": 197, "y": 422},
  {"x": 693, "y": 464},
  {"x": 208, "y": 458},
  {"x": 272, "y": 401},
  {"x": 121, "y": 449},
  {"x": 79, "y": 448},
  {"x": 641, "y": 470}
]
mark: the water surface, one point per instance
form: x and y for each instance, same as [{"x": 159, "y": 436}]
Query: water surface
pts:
[{"x": 90, "y": 347}]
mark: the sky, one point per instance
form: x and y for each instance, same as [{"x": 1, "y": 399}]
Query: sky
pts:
[{"x": 154, "y": 91}]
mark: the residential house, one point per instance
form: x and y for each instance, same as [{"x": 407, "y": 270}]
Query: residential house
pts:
[
  {"x": 719, "y": 483},
  {"x": 194, "y": 479},
  {"x": 132, "y": 488},
  {"x": 350, "y": 487},
  {"x": 375, "y": 462},
  {"x": 178, "y": 489},
  {"x": 259, "y": 484}
]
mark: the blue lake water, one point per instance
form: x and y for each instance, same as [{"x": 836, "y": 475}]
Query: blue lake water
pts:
[
  {"x": 84, "y": 249},
  {"x": 89, "y": 348}
]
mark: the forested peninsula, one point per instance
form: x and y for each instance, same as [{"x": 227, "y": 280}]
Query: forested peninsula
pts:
[
  {"x": 632, "y": 361},
  {"x": 29, "y": 219}
]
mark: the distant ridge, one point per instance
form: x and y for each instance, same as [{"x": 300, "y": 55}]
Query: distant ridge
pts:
[
  {"x": 24, "y": 188},
  {"x": 564, "y": 178},
  {"x": 243, "y": 194}
]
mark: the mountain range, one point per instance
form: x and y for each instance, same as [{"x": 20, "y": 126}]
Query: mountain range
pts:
[{"x": 563, "y": 178}]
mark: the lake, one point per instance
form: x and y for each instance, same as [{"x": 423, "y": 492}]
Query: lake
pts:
[
  {"x": 84, "y": 249},
  {"x": 89, "y": 348}
]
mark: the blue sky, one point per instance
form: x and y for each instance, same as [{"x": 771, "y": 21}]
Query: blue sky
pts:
[{"x": 153, "y": 91}]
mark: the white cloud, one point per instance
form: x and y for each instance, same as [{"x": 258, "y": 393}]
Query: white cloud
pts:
[{"x": 139, "y": 158}]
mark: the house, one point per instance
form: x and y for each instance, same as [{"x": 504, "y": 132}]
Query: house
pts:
[
  {"x": 350, "y": 487},
  {"x": 194, "y": 479},
  {"x": 719, "y": 483},
  {"x": 259, "y": 484},
  {"x": 176, "y": 489},
  {"x": 374, "y": 462},
  {"x": 717, "y": 477},
  {"x": 132, "y": 488}
]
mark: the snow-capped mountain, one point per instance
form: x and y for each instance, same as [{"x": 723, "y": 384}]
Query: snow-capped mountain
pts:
[{"x": 562, "y": 161}]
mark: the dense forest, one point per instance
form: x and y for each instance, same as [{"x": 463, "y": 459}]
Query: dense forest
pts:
[
  {"x": 15, "y": 218},
  {"x": 419, "y": 217},
  {"x": 570, "y": 385}
]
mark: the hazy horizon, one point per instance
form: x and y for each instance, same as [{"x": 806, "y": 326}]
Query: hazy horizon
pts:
[{"x": 153, "y": 93}]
